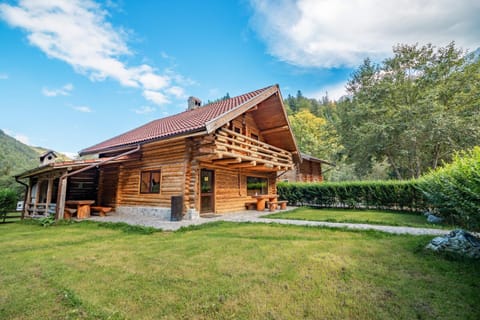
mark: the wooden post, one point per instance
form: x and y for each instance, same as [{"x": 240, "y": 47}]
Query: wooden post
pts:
[
  {"x": 62, "y": 189},
  {"x": 26, "y": 203},
  {"x": 49, "y": 195},
  {"x": 37, "y": 196}
]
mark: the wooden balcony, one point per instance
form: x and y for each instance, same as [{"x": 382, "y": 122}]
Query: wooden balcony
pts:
[{"x": 235, "y": 150}]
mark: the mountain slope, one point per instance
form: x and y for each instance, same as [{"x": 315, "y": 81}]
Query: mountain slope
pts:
[{"x": 16, "y": 157}]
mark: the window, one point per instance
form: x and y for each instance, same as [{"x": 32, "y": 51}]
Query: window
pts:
[
  {"x": 254, "y": 136},
  {"x": 150, "y": 182},
  {"x": 237, "y": 129},
  {"x": 256, "y": 186}
]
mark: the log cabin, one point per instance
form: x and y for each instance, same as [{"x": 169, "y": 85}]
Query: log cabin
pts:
[
  {"x": 209, "y": 159},
  {"x": 310, "y": 169}
]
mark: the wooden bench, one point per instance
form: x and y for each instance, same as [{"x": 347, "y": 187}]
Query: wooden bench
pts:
[
  {"x": 272, "y": 205},
  {"x": 251, "y": 205},
  {"x": 101, "y": 210},
  {"x": 68, "y": 213},
  {"x": 283, "y": 204}
]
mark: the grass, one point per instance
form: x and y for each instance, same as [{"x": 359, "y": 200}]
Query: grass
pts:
[
  {"x": 360, "y": 216},
  {"x": 228, "y": 271}
]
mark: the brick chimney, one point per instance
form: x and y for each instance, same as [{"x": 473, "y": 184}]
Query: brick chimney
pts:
[{"x": 194, "y": 103}]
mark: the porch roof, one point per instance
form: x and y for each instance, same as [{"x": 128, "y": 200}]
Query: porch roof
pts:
[
  {"x": 73, "y": 164},
  {"x": 314, "y": 159}
]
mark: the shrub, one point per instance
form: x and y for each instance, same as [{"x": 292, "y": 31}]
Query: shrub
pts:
[
  {"x": 454, "y": 189},
  {"x": 8, "y": 200}
]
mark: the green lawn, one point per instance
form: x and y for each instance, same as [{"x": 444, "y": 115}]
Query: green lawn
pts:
[
  {"x": 229, "y": 271},
  {"x": 360, "y": 216}
]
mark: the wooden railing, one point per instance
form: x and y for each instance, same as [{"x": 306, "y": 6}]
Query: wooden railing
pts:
[
  {"x": 40, "y": 209},
  {"x": 237, "y": 150}
]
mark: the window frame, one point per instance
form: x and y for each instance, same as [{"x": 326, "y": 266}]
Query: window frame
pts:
[
  {"x": 150, "y": 185},
  {"x": 257, "y": 177}
]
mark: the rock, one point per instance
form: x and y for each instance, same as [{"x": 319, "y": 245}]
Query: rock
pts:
[
  {"x": 427, "y": 213},
  {"x": 458, "y": 241},
  {"x": 434, "y": 219}
]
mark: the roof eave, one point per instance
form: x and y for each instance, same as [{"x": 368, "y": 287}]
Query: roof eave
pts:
[{"x": 185, "y": 134}]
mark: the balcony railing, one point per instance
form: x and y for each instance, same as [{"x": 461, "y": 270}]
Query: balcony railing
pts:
[{"x": 239, "y": 151}]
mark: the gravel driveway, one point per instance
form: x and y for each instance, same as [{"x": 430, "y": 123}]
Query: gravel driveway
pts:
[{"x": 256, "y": 217}]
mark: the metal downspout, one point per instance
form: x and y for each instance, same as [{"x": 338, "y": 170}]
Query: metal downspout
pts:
[{"x": 24, "y": 196}]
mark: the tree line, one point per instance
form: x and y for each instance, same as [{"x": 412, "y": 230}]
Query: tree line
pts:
[{"x": 400, "y": 118}]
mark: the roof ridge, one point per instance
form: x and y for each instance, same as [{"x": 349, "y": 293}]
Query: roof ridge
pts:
[{"x": 182, "y": 122}]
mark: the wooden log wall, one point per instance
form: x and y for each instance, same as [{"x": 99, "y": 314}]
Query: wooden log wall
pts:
[
  {"x": 83, "y": 186},
  {"x": 231, "y": 187},
  {"x": 169, "y": 158},
  {"x": 310, "y": 172},
  {"x": 107, "y": 186}
]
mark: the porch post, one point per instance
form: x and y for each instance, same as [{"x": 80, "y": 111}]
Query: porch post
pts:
[
  {"x": 26, "y": 203},
  {"x": 62, "y": 192},
  {"x": 49, "y": 195},
  {"x": 37, "y": 196}
]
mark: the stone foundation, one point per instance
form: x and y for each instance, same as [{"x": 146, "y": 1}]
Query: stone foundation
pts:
[{"x": 156, "y": 212}]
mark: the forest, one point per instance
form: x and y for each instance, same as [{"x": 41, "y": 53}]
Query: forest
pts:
[{"x": 400, "y": 118}]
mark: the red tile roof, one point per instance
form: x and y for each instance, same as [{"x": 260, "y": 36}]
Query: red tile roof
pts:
[{"x": 187, "y": 121}]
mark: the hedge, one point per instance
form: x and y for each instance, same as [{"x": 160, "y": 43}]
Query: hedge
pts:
[
  {"x": 383, "y": 195},
  {"x": 452, "y": 192}
]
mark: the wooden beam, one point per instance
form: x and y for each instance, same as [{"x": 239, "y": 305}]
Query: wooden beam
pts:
[
  {"x": 274, "y": 130},
  {"x": 227, "y": 161},
  {"x": 243, "y": 165}
]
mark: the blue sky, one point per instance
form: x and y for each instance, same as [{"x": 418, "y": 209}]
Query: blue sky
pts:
[{"x": 74, "y": 73}]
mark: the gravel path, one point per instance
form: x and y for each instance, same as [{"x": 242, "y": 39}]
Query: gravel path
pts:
[{"x": 256, "y": 217}]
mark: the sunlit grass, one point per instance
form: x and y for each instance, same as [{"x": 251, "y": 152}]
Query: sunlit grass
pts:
[
  {"x": 360, "y": 216},
  {"x": 228, "y": 271}
]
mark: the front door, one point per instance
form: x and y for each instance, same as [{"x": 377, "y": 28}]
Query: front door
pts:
[{"x": 207, "y": 195}]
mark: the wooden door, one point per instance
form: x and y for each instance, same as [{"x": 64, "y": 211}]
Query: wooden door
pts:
[{"x": 207, "y": 192}]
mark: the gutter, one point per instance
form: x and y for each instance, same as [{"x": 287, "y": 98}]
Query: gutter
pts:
[
  {"x": 25, "y": 195},
  {"x": 63, "y": 179}
]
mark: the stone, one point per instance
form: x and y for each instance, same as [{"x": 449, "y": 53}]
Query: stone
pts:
[
  {"x": 459, "y": 242},
  {"x": 434, "y": 219}
]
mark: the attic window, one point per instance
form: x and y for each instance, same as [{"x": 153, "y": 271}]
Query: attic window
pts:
[{"x": 150, "y": 181}]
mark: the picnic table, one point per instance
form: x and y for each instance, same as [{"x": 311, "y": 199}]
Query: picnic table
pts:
[
  {"x": 262, "y": 199},
  {"x": 83, "y": 207}
]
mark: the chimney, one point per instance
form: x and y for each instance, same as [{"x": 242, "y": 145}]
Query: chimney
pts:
[{"x": 194, "y": 103}]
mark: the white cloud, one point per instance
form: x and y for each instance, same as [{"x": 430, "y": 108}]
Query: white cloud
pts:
[
  {"x": 71, "y": 155},
  {"x": 332, "y": 33},
  {"x": 78, "y": 33},
  {"x": 144, "y": 110},
  {"x": 334, "y": 91},
  {"x": 3, "y": 76},
  {"x": 177, "y": 92},
  {"x": 18, "y": 136},
  {"x": 84, "y": 109},
  {"x": 156, "y": 97},
  {"x": 63, "y": 91}
]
